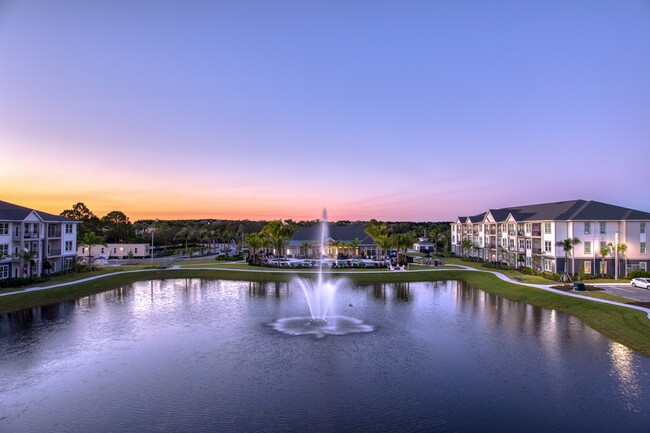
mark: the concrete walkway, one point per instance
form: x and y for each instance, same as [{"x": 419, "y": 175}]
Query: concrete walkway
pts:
[{"x": 499, "y": 275}]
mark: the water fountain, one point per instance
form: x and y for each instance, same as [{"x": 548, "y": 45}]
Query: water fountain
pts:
[{"x": 320, "y": 296}]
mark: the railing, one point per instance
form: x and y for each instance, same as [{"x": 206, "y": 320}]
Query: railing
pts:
[
  {"x": 56, "y": 252},
  {"x": 54, "y": 234},
  {"x": 537, "y": 232},
  {"x": 30, "y": 235},
  {"x": 520, "y": 233},
  {"x": 511, "y": 233}
]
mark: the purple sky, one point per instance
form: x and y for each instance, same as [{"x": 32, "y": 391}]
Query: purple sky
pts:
[{"x": 416, "y": 110}]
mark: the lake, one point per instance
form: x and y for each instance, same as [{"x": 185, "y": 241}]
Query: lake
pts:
[{"x": 192, "y": 355}]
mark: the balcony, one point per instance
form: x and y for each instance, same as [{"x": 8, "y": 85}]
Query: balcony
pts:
[
  {"x": 537, "y": 232},
  {"x": 54, "y": 233},
  {"x": 31, "y": 235},
  {"x": 54, "y": 252}
]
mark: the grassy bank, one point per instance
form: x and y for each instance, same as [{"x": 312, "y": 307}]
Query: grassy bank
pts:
[{"x": 627, "y": 326}]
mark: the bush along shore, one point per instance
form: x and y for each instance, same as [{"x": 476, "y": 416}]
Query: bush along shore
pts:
[{"x": 627, "y": 326}]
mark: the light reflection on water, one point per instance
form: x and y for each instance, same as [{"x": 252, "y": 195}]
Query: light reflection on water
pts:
[{"x": 193, "y": 355}]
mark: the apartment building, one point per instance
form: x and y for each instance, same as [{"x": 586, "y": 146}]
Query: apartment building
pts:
[
  {"x": 528, "y": 235},
  {"x": 116, "y": 251},
  {"x": 33, "y": 242}
]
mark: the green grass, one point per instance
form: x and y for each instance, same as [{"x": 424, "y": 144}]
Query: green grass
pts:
[{"x": 627, "y": 326}]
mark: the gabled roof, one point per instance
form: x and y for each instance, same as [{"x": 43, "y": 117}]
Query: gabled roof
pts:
[
  {"x": 13, "y": 212},
  {"x": 477, "y": 218},
  {"x": 568, "y": 211},
  {"x": 338, "y": 233}
]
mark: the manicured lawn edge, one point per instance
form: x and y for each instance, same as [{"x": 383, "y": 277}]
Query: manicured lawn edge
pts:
[{"x": 627, "y": 326}]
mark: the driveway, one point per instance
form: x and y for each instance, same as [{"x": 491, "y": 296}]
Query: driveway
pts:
[{"x": 627, "y": 291}]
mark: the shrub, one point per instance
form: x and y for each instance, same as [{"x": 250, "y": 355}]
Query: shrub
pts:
[
  {"x": 20, "y": 282},
  {"x": 638, "y": 274}
]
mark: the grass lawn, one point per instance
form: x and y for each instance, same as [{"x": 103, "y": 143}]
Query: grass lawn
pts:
[{"x": 627, "y": 326}]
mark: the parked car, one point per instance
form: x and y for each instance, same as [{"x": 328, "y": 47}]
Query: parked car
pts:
[{"x": 644, "y": 283}]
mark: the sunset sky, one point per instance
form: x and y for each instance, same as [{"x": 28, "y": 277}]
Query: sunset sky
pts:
[{"x": 395, "y": 110}]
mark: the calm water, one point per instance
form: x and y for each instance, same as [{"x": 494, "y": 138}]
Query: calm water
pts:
[{"x": 195, "y": 355}]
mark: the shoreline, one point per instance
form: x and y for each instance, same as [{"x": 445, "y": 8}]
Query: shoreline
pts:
[{"x": 626, "y": 324}]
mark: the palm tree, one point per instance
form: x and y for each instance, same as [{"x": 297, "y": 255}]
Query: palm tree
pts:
[
  {"x": 622, "y": 249},
  {"x": 254, "y": 242},
  {"x": 185, "y": 234},
  {"x": 204, "y": 235},
  {"x": 604, "y": 251},
  {"x": 402, "y": 242},
  {"x": 279, "y": 233},
  {"x": 354, "y": 246},
  {"x": 567, "y": 246},
  {"x": 27, "y": 257},
  {"x": 379, "y": 233},
  {"x": 465, "y": 246},
  {"x": 90, "y": 239},
  {"x": 383, "y": 243},
  {"x": 336, "y": 244}
]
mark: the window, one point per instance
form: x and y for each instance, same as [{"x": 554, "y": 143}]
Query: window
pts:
[
  {"x": 587, "y": 267},
  {"x": 69, "y": 263},
  {"x": 27, "y": 228},
  {"x": 529, "y": 244},
  {"x": 4, "y": 229},
  {"x": 527, "y": 227},
  {"x": 511, "y": 243},
  {"x": 68, "y": 245},
  {"x": 547, "y": 246},
  {"x": 603, "y": 228},
  {"x": 481, "y": 228},
  {"x": 642, "y": 247},
  {"x": 643, "y": 266},
  {"x": 603, "y": 245},
  {"x": 511, "y": 227},
  {"x": 641, "y": 228},
  {"x": 83, "y": 250},
  {"x": 4, "y": 271},
  {"x": 136, "y": 250},
  {"x": 587, "y": 246},
  {"x": 548, "y": 265},
  {"x": 453, "y": 240},
  {"x": 547, "y": 228},
  {"x": 114, "y": 250},
  {"x": 4, "y": 249},
  {"x": 68, "y": 228},
  {"x": 587, "y": 228},
  {"x": 504, "y": 242},
  {"x": 521, "y": 244},
  {"x": 102, "y": 250}
]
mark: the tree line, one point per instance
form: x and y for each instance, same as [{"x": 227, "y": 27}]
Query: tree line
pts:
[{"x": 116, "y": 227}]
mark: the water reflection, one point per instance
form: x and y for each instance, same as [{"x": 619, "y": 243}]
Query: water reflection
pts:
[
  {"x": 623, "y": 367},
  {"x": 192, "y": 355}
]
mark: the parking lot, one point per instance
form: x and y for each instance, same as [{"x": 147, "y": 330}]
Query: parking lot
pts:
[{"x": 627, "y": 291}]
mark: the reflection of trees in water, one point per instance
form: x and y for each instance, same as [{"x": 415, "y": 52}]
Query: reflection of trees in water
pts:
[
  {"x": 401, "y": 291},
  {"x": 261, "y": 289},
  {"x": 379, "y": 291}
]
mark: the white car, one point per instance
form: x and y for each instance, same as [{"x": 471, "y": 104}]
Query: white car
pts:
[{"x": 644, "y": 283}]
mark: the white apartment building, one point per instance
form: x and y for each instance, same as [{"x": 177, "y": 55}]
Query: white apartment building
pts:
[
  {"x": 34, "y": 242},
  {"x": 117, "y": 251},
  {"x": 527, "y": 236}
]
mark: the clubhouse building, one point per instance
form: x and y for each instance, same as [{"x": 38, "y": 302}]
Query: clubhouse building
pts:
[{"x": 527, "y": 236}]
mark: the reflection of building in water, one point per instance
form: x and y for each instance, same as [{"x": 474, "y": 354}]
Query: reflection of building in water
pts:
[
  {"x": 624, "y": 369},
  {"x": 397, "y": 291}
]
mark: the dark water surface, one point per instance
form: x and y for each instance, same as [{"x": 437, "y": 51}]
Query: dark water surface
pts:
[{"x": 196, "y": 355}]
